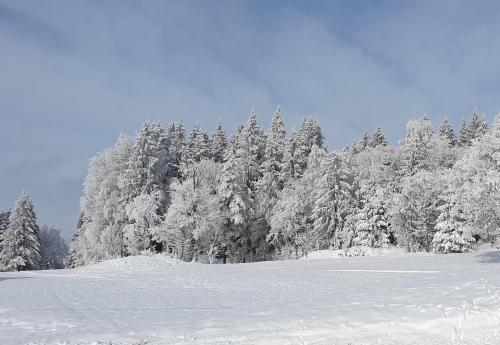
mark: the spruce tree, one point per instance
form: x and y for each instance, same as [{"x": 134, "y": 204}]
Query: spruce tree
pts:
[
  {"x": 197, "y": 146},
  {"x": 477, "y": 126},
  {"x": 378, "y": 138},
  {"x": 299, "y": 146},
  {"x": 333, "y": 198},
  {"x": 452, "y": 235},
  {"x": 272, "y": 181},
  {"x": 364, "y": 142},
  {"x": 218, "y": 143},
  {"x": 146, "y": 179},
  {"x": 176, "y": 142},
  {"x": 371, "y": 222},
  {"x": 446, "y": 132},
  {"x": 21, "y": 240},
  {"x": 464, "y": 137},
  {"x": 4, "y": 223}
]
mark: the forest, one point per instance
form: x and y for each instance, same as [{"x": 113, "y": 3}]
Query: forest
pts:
[{"x": 264, "y": 194}]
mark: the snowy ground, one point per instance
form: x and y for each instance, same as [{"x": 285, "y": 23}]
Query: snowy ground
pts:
[{"x": 393, "y": 299}]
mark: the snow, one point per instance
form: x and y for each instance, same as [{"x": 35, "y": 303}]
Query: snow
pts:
[
  {"x": 354, "y": 251},
  {"x": 386, "y": 299}
]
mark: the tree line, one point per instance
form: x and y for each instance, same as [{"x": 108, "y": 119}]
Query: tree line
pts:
[{"x": 264, "y": 194}]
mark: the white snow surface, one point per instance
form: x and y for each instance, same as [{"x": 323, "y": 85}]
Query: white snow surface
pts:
[{"x": 388, "y": 299}]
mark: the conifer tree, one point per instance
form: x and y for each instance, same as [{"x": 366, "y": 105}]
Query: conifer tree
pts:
[
  {"x": 452, "y": 235},
  {"x": 418, "y": 151},
  {"x": 364, "y": 142},
  {"x": 446, "y": 132},
  {"x": 176, "y": 142},
  {"x": 477, "y": 126},
  {"x": 218, "y": 143},
  {"x": 378, "y": 138},
  {"x": 197, "y": 146},
  {"x": 371, "y": 222},
  {"x": 464, "y": 134},
  {"x": 272, "y": 181},
  {"x": 299, "y": 146},
  {"x": 333, "y": 198},
  {"x": 21, "y": 240},
  {"x": 146, "y": 179},
  {"x": 4, "y": 223}
]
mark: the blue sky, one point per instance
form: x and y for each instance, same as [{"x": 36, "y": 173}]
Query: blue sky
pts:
[{"x": 73, "y": 74}]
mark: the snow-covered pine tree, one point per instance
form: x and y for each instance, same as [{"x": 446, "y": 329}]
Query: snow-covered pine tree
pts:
[
  {"x": 418, "y": 151},
  {"x": 240, "y": 175},
  {"x": 378, "y": 138},
  {"x": 21, "y": 240},
  {"x": 197, "y": 146},
  {"x": 477, "y": 126},
  {"x": 452, "y": 235},
  {"x": 147, "y": 177},
  {"x": 333, "y": 194},
  {"x": 148, "y": 167},
  {"x": 299, "y": 146},
  {"x": 371, "y": 223},
  {"x": 272, "y": 181},
  {"x": 446, "y": 132},
  {"x": 4, "y": 223},
  {"x": 176, "y": 142},
  {"x": 477, "y": 183},
  {"x": 364, "y": 142},
  {"x": 464, "y": 137},
  {"x": 218, "y": 143},
  {"x": 233, "y": 194},
  {"x": 291, "y": 219}
]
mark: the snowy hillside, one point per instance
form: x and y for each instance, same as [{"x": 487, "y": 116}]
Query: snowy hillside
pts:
[{"x": 391, "y": 299}]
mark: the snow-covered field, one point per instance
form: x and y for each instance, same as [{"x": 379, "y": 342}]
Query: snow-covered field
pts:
[{"x": 391, "y": 299}]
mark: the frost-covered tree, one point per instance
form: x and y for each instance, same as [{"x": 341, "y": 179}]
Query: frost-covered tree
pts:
[
  {"x": 364, "y": 142},
  {"x": 272, "y": 181},
  {"x": 143, "y": 212},
  {"x": 371, "y": 222},
  {"x": 476, "y": 177},
  {"x": 291, "y": 219},
  {"x": 148, "y": 166},
  {"x": 415, "y": 210},
  {"x": 176, "y": 142},
  {"x": 21, "y": 239},
  {"x": 464, "y": 138},
  {"x": 417, "y": 150},
  {"x": 194, "y": 222},
  {"x": 197, "y": 146},
  {"x": 477, "y": 126},
  {"x": 378, "y": 138},
  {"x": 333, "y": 194},
  {"x": 146, "y": 180},
  {"x": 53, "y": 248},
  {"x": 240, "y": 176},
  {"x": 299, "y": 146},
  {"x": 453, "y": 235},
  {"x": 446, "y": 132},
  {"x": 4, "y": 223},
  {"x": 100, "y": 229},
  {"x": 218, "y": 143}
]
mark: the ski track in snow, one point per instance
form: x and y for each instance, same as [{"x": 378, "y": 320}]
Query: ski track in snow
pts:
[{"x": 396, "y": 299}]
